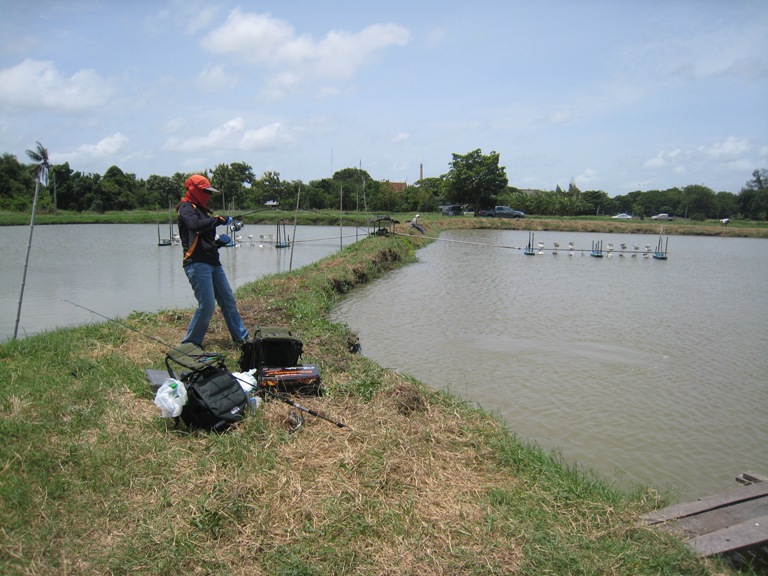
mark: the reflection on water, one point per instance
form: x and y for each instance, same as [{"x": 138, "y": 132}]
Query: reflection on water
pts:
[
  {"x": 115, "y": 269},
  {"x": 645, "y": 370}
]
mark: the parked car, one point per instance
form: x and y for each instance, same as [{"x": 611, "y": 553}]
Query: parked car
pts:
[
  {"x": 501, "y": 212},
  {"x": 452, "y": 210},
  {"x": 661, "y": 217},
  {"x": 623, "y": 216}
]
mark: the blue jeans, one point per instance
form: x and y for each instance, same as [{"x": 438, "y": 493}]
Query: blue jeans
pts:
[{"x": 210, "y": 285}]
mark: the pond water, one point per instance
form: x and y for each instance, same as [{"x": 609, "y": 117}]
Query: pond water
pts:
[
  {"x": 115, "y": 269},
  {"x": 644, "y": 370}
]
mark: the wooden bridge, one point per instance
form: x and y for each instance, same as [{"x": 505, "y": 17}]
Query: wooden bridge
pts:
[{"x": 733, "y": 520}]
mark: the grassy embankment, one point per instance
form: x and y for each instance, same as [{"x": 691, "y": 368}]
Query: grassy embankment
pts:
[
  {"x": 599, "y": 224},
  {"x": 93, "y": 482}
]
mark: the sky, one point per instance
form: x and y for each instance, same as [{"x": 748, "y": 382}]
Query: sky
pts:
[{"x": 612, "y": 95}]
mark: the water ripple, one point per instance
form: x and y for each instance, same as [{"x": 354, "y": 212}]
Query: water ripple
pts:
[{"x": 643, "y": 370}]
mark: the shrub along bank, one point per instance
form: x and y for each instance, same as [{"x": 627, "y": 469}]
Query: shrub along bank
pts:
[
  {"x": 598, "y": 224},
  {"x": 94, "y": 482}
]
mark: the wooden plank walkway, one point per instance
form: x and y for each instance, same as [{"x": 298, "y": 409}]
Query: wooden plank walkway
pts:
[{"x": 721, "y": 523}]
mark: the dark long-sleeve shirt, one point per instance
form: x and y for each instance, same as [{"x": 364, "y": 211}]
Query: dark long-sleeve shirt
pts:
[{"x": 197, "y": 229}]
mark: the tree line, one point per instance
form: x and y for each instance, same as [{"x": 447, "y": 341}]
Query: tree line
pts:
[{"x": 474, "y": 180}]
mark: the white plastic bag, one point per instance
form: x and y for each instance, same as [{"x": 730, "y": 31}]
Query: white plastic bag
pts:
[
  {"x": 247, "y": 381},
  {"x": 249, "y": 384},
  {"x": 171, "y": 398}
]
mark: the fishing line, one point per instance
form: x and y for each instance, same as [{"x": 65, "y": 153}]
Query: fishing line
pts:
[{"x": 195, "y": 357}]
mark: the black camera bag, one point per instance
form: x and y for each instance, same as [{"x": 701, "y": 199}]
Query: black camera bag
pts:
[{"x": 271, "y": 347}]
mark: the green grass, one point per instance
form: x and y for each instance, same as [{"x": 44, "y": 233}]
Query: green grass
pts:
[
  {"x": 303, "y": 217},
  {"x": 92, "y": 481},
  {"x": 605, "y": 224}
]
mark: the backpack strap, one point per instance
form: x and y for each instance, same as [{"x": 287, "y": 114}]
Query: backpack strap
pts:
[{"x": 192, "y": 357}]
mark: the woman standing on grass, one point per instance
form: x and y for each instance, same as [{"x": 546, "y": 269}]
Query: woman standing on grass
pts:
[{"x": 197, "y": 229}]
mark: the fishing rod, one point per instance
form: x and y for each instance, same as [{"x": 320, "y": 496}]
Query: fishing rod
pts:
[
  {"x": 249, "y": 213},
  {"x": 237, "y": 221},
  {"x": 267, "y": 390},
  {"x": 302, "y": 408},
  {"x": 205, "y": 357}
]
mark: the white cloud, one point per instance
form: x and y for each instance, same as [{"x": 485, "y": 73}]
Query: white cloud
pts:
[
  {"x": 263, "y": 137},
  {"x": 200, "y": 19},
  {"x": 194, "y": 16},
  {"x": 401, "y": 137},
  {"x": 218, "y": 137},
  {"x": 216, "y": 78},
  {"x": 175, "y": 124},
  {"x": 231, "y": 135},
  {"x": 267, "y": 41},
  {"x": 589, "y": 176},
  {"x": 38, "y": 84},
  {"x": 341, "y": 53},
  {"x": 656, "y": 162},
  {"x": 730, "y": 155},
  {"x": 281, "y": 84},
  {"x": 742, "y": 165},
  {"x": 254, "y": 37},
  {"x": 104, "y": 148},
  {"x": 730, "y": 149},
  {"x": 663, "y": 158}
]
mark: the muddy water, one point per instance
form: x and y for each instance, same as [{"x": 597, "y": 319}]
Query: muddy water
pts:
[
  {"x": 115, "y": 269},
  {"x": 647, "y": 371}
]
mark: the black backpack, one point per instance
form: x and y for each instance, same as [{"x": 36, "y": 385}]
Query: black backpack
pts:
[{"x": 215, "y": 399}]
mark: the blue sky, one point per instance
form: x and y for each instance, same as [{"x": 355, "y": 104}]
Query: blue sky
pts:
[{"x": 618, "y": 95}]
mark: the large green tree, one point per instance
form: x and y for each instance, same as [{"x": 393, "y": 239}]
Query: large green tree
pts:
[
  {"x": 319, "y": 194},
  {"x": 726, "y": 205},
  {"x": 753, "y": 198},
  {"x": 61, "y": 181},
  {"x": 118, "y": 190},
  {"x": 475, "y": 179},
  {"x": 162, "y": 190},
  {"x": 234, "y": 181},
  {"x": 16, "y": 190},
  {"x": 697, "y": 202},
  {"x": 357, "y": 186},
  {"x": 270, "y": 188}
]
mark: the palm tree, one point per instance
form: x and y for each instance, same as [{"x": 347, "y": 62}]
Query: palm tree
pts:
[{"x": 40, "y": 170}]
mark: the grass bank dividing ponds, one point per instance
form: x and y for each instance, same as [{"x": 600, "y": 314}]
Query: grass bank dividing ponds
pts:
[
  {"x": 92, "y": 481},
  {"x": 598, "y": 224}
]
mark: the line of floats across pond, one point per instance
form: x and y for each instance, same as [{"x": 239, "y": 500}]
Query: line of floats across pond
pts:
[{"x": 597, "y": 251}]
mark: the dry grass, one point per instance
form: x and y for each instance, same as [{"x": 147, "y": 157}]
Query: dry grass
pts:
[
  {"x": 421, "y": 484},
  {"x": 744, "y": 229}
]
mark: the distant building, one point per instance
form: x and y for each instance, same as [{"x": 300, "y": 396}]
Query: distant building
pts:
[{"x": 398, "y": 187}]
